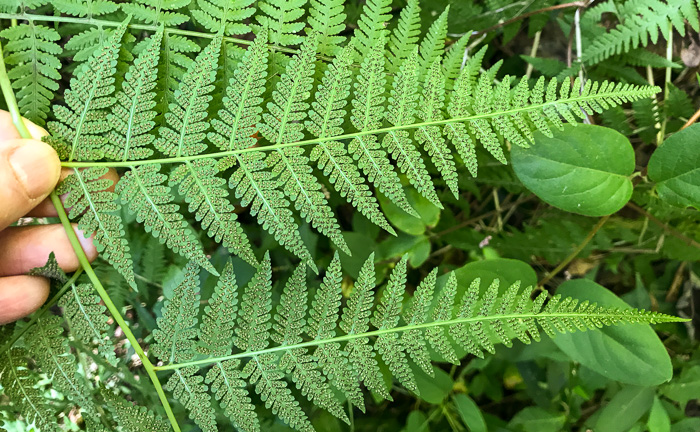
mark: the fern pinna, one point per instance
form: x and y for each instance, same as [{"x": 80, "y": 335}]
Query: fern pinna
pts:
[
  {"x": 268, "y": 146},
  {"x": 203, "y": 126}
]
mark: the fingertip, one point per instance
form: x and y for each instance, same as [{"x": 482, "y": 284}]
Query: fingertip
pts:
[
  {"x": 87, "y": 243},
  {"x": 20, "y": 296},
  {"x": 36, "y": 167}
]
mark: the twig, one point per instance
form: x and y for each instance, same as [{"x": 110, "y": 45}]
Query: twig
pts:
[
  {"x": 529, "y": 14},
  {"x": 674, "y": 232},
  {"x": 692, "y": 119},
  {"x": 576, "y": 251},
  {"x": 672, "y": 293}
]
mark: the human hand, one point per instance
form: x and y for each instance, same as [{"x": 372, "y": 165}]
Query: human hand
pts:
[{"x": 29, "y": 171}]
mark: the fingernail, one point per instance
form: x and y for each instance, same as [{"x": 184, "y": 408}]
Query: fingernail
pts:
[
  {"x": 86, "y": 242},
  {"x": 35, "y": 167}
]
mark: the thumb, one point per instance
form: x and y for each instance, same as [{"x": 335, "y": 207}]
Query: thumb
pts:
[{"x": 29, "y": 170}]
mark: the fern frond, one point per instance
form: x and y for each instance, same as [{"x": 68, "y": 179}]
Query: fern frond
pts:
[
  {"x": 327, "y": 19},
  {"x": 50, "y": 350},
  {"x": 282, "y": 125},
  {"x": 431, "y": 136},
  {"x": 90, "y": 201},
  {"x": 321, "y": 325},
  {"x": 166, "y": 12},
  {"x": 325, "y": 120},
  {"x": 279, "y": 20},
  {"x": 402, "y": 109},
  {"x": 132, "y": 117},
  {"x": 33, "y": 52},
  {"x": 185, "y": 136},
  {"x": 133, "y": 418},
  {"x": 433, "y": 44},
  {"x": 216, "y": 339},
  {"x": 82, "y": 123},
  {"x": 417, "y": 312},
  {"x": 404, "y": 38},
  {"x": 367, "y": 114},
  {"x": 454, "y": 57},
  {"x": 229, "y": 14},
  {"x": 643, "y": 22},
  {"x": 355, "y": 320},
  {"x": 85, "y": 8},
  {"x": 87, "y": 319},
  {"x": 143, "y": 192},
  {"x": 20, "y": 385},
  {"x": 371, "y": 27},
  {"x": 437, "y": 336},
  {"x": 386, "y": 316},
  {"x": 175, "y": 341}
]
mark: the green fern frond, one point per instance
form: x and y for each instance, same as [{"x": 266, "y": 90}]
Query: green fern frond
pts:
[
  {"x": 133, "y": 418},
  {"x": 175, "y": 341},
  {"x": 643, "y": 22},
  {"x": 433, "y": 44},
  {"x": 371, "y": 27},
  {"x": 326, "y": 118},
  {"x": 87, "y": 319},
  {"x": 132, "y": 117},
  {"x": 143, "y": 192},
  {"x": 279, "y": 20},
  {"x": 327, "y": 19},
  {"x": 166, "y": 12},
  {"x": 19, "y": 384},
  {"x": 454, "y": 58},
  {"x": 344, "y": 354},
  {"x": 84, "y": 8},
  {"x": 284, "y": 124},
  {"x": 405, "y": 37},
  {"x": 430, "y": 137},
  {"x": 402, "y": 109},
  {"x": 90, "y": 201},
  {"x": 33, "y": 51},
  {"x": 229, "y": 14},
  {"x": 50, "y": 350},
  {"x": 367, "y": 115},
  {"x": 82, "y": 124}
]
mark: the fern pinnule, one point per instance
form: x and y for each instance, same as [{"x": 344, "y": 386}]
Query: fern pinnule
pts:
[
  {"x": 437, "y": 336},
  {"x": 229, "y": 14},
  {"x": 82, "y": 123},
  {"x": 325, "y": 120},
  {"x": 405, "y": 37},
  {"x": 413, "y": 339},
  {"x": 132, "y": 116},
  {"x": 327, "y": 19},
  {"x": 20, "y": 384},
  {"x": 166, "y": 12},
  {"x": 367, "y": 115},
  {"x": 33, "y": 52},
  {"x": 402, "y": 109},
  {"x": 82, "y": 8},
  {"x": 284, "y": 124},
  {"x": 96, "y": 208},
  {"x": 386, "y": 316},
  {"x": 279, "y": 19},
  {"x": 371, "y": 27},
  {"x": 133, "y": 418},
  {"x": 433, "y": 43},
  {"x": 144, "y": 193},
  {"x": 87, "y": 319},
  {"x": 431, "y": 137},
  {"x": 355, "y": 320}
]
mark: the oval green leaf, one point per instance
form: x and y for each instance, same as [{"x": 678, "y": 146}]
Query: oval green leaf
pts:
[
  {"x": 583, "y": 169},
  {"x": 629, "y": 353},
  {"x": 675, "y": 167}
]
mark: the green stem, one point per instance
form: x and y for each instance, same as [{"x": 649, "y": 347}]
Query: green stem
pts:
[
  {"x": 113, "y": 310},
  {"x": 480, "y": 318},
  {"x": 573, "y": 101},
  {"x": 48, "y": 305}
]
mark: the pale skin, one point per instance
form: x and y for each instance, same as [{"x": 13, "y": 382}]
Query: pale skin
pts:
[{"x": 29, "y": 171}]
